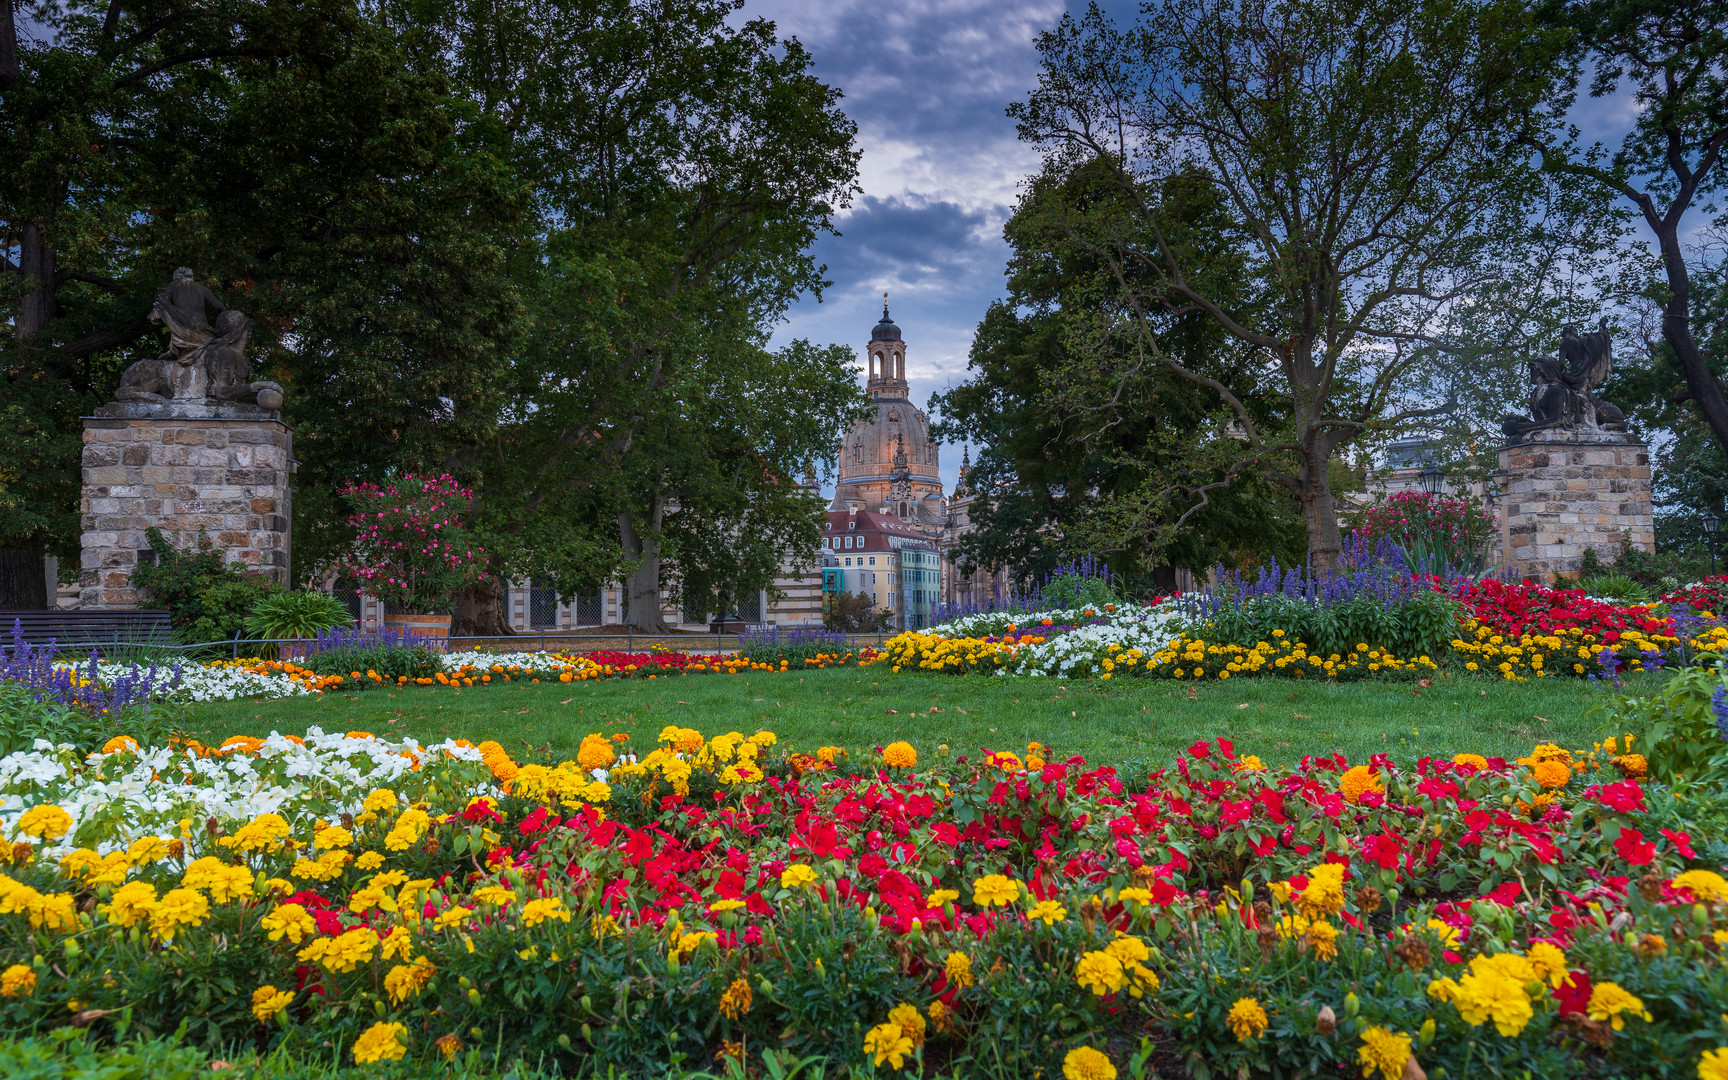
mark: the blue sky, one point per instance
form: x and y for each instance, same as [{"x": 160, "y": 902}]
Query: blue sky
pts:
[{"x": 927, "y": 82}]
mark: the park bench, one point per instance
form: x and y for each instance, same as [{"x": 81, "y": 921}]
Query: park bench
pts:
[{"x": 81, "y": 628}]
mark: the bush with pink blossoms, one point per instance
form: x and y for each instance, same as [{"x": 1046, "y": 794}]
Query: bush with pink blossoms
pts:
[
  {"x": 410, "y": 547},
  {"x": 1430, "y": 528}
]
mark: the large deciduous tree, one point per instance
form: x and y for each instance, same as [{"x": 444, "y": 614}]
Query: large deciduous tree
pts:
[
  {"x": 1671, "y": 56},
  {"x": 286, "y": 152},
  {"x": 1088, "y": 445},
  {"x": 682, "y": 164},
  {"x": 1365, "y": 149}
]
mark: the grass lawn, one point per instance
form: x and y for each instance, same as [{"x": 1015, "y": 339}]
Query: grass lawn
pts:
[{"x": 1278, "y": 719}]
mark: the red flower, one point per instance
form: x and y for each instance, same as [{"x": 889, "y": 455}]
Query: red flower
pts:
[
  {"x": 1682, "y": 843},
  {"x": 1634, "y": 848}
]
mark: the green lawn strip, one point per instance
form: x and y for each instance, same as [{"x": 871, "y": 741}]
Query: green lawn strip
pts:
[{"x": 1278, "y": 719}]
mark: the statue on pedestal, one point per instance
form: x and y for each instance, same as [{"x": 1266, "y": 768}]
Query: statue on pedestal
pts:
[
  {"x": 1562, "y": 394},
  {"x": 206, "y": 362}
]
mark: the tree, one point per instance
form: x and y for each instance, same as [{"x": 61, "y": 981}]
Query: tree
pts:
[
  {"x": 681, "y": 165},
  {"x": 1085, "y": 450},
  {"x": 1366, "y": 147},
  {"x": 287, "y": 152},
  {"x": 1673, "y": 57}
]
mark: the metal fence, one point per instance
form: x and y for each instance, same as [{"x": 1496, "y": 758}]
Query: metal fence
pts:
[{"x": 542, "y": 640}]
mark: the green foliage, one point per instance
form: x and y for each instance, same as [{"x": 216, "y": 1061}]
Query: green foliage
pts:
[
  {"x": 23, "y": 720},
  {"x": 207, "y": 597},
  {"x": 1071, "y": 590},
  {"x": 1616, "y": 587},
  {"x": 389, "y": 661},
  {"x": 854, "y": 613},
  {"x": 1675, "y": 727},
  {"x": 295, "y": 615},
  {"x": 1423, "y": 625},
  {"x": 1653, "y": 572}
]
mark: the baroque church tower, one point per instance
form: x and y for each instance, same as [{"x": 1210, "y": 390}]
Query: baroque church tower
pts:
[{"x": 888, "y": 462}]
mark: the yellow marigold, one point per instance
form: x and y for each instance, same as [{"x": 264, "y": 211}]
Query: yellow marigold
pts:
[
  {"x": 1248, "y": 763},
  {"x": 221, "y": 881},
  {"x": 1322, "y": 937},
  {"x": 45, "y": 822},
  {"x": 1473, "y": 761},
  {"x": 595, "y": 752},
  {"x": 369, "y": 860},
  {"x": 958, "y": 968},
  {"x": 267, "y": 1001},
  {"x": 1487, "y": 994},
  {"x": 1611, "y": 1002},
  {"x": 120, "y": 744},
  {"x": 266, "y": 832},
  {"x": 130, "y": 904},
  {"x": 17, "y": 981},
  {"x": 737, "y": 999},
  {"x": 1246, "y": 1019},
  {"x": 1325, "y": 892},
  {"x": 1085, "y": 1063},
  {"x": 381, "y": 1042},
  {"x": 379, "y": 801},
  {"x": 448, "y": 1045},
  {"x": 177, "y": 908},
  {"x": 888, "y": 1044},
  {"x": 1632, "y": 766},
  {"x": 1550, "y": 964},
  {"x": 1048, "y": 911},
  {"x": 797, "y": 876},
  {"x": 405, "y": 980},
  {"x": 1359, "y": 781},
  {"x": 1706, "y": 885},
  {"x": 1138, "y": 895},
  {"x": 1551, "y": 774},
  {"x": 1713, "y": 1065},
  {"x": 1383, "y": 1051},
  {"x": 941, "y": 1017},
  {"x": 347, "y": 950},
  {"x": 535, "y": 912},
  {"x": 995, "y": 889},
  {"x": 331, "y": 837},
  {"x": 453, "y": 917},
  {"x": 1100, "y": 973},
  {"x": 496, "y": 895},
  {"x": 899, "y": 755},
  {"x": 911, "y": 1022}
]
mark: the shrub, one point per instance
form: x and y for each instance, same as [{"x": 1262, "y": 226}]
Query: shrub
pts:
[
  {"x": 207, "y": 597},
  {"x": 295, "y": 615},
  {"x": 1616, "y": 587},
  {"x": 854, "y": 613},
  {"x": 1436, "y": 535},
  {"x": 410, "y": 548},
  {"x": 25, "y": 717},
  {"x": 392, "y": 656}
]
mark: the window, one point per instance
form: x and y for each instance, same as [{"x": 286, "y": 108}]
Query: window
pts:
[
  {"x": 872, "y": 560},
  {"x": 848, "y": 562}
]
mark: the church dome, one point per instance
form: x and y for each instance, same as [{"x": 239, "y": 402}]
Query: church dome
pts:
[{"x": 885, "y": 330}]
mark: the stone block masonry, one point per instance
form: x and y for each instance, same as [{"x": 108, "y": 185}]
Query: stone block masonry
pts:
[
  {"x": 1564, "y": 494},
  {"x": 228, "y": 476}
]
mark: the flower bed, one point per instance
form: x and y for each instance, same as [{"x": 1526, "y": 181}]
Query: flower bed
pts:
[
  {"x": 1511, "y": 631},
  {"x": 1016, "y": 912},
  {"x": 251, "y": 677}
]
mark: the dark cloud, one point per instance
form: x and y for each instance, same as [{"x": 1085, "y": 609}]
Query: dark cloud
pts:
[{"x": 908, "y": 241}]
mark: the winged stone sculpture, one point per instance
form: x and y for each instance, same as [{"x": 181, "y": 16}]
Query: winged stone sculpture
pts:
[{"x": 1563, "y": 389}]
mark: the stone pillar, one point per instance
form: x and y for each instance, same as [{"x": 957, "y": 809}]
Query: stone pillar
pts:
[
  {"x": 1566, "y": 492},
  {"x": 226, "y": 472}
]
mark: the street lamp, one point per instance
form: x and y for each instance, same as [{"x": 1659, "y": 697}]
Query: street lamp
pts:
[
  {"x": 1712, "y": 526},
  {"x": 1432, "y": 480}
]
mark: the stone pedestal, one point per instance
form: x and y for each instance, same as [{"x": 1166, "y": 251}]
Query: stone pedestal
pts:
[
  {"x": 221, "y": 469},
  {"x": 1564, "y": 493}
]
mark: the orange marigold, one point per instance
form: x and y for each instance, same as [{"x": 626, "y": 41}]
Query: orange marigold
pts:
[{"x": 1360, "y": 781}]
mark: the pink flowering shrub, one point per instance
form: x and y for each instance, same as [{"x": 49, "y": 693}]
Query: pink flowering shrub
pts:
[
  {"x": 1426, "y": 525},
  {"x": 410, "y": 548}
]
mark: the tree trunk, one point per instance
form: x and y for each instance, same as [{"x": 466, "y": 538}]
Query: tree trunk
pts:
[
  {"x": 1677, "y": 330},
  {"x": 9, "y": 70},
  {"x": 23, "y": 585},
  {"x": 35, "y": 260},
  {"x": 643, "y": 584},
  {"x": 1320, "y": 515},
  {"x": 480, "y": 611}
]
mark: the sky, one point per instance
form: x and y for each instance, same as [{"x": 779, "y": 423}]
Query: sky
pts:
[{"x": 928, "y": 82}]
